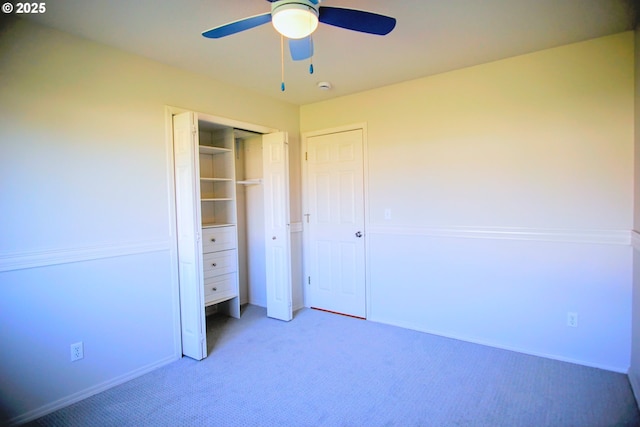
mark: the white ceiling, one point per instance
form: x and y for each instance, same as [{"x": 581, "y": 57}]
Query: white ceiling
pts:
[{"x": 431, "y": 36}]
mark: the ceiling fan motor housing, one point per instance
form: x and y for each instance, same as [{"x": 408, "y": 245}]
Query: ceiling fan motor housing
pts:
[
  {"x": 294, "y": 4},
  {"x": 294, "y": 18}
]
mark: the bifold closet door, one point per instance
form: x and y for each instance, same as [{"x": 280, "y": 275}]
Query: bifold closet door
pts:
[
  {"x": 185, "y": 151},
  {"x": 275, "y": 154}
]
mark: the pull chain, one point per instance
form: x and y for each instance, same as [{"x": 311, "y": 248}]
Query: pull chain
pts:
[
  {"x": 311, "y": 57},
  {"x": 282, "y": 62}
]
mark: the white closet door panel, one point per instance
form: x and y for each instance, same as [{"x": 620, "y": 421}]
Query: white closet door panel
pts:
[
  {"x": 188, "y": 219},
  {"x": 277, "y": 237},
  {"x": 191, "y": 334}
]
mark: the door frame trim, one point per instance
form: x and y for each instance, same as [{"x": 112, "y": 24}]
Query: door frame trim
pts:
[{"x": 305, "y": 204}]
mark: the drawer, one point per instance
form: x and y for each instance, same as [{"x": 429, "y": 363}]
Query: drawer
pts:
[
  {"x": 218, "y": 263},
  {"x": 220, "y": 288},
  {"x": 218, "y": 239}
]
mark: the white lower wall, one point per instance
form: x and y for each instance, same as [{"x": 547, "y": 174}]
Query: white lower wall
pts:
[
  {"x": 634, "y": 369},
  {"x": 508, "y": 293},
  {"x": 45, "y": 309}
]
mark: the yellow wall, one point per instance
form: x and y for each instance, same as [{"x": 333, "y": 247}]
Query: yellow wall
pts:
[
  {"x": 90, "y": 123},
  {"x": 540, "y": 140}
]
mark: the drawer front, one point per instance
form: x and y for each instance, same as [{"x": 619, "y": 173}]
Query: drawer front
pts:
[
  {"x": 220, "y": 288},
  {"x": 218, "y": 239},
  {"x": 218, "y": 263}
]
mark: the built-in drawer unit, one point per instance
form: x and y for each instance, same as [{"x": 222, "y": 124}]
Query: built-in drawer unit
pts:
[
  {"x": 218, "y": 263},
  {"x": 218, "y": 239},
  {"x": 220, "y": 288}
]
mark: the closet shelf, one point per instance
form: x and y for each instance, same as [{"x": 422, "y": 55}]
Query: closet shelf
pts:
[
  {"x": 214, "y": 225},
  {"x": 208, "y": 149},
  {"x": 255, "y": 181},
  {"x": 216, "y": 199},
  {"x": 216, "y": 179}
]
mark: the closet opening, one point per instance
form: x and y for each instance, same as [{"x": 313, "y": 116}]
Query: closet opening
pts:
[{"x": 232, "y": 217}]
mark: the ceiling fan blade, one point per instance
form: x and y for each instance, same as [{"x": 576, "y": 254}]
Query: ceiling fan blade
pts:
[
  {"x": 237, "y": 26},
  {"x": 301, "y": 49},
  {"x": 357, "y": 20}
]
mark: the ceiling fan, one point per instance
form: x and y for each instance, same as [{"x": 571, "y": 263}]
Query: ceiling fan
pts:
[{"x": 298, "y": 19}]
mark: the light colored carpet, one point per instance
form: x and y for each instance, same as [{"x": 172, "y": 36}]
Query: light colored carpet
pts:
[{"x": 323, "y": 369}]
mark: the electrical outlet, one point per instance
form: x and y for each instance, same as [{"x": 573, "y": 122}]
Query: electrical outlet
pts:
[
  {"x": 572, "y": 319},
  {"x": 77, "y": 351}
]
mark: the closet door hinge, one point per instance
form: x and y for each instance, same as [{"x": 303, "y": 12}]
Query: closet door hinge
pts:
[
  {"x": 309, "y": 279},
  {"x": 306, "y": 155},
  {"x": 194, "y": 130}
]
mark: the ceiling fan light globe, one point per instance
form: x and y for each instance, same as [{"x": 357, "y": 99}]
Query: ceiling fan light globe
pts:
[{"x": 295, "y": 21}]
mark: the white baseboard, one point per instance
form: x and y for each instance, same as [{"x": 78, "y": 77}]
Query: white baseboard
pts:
[
  {"x": 81, "y": 395},
  {"x": 635, "y": 386}
]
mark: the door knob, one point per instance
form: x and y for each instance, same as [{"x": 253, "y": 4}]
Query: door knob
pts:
[{"x": 359, "y": 234}]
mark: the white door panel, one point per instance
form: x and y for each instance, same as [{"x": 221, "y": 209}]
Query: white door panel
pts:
[
  {"x": 188, "y": 220},
  {"x": 277, "y": 235},
  {"x": 336, "y": 222}
]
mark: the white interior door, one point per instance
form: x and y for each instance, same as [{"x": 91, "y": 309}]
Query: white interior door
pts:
[
  {"x": 275, "y": 152},
  {"x": 335, "y": 180},
  {"x": 193, "y": 323}
]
